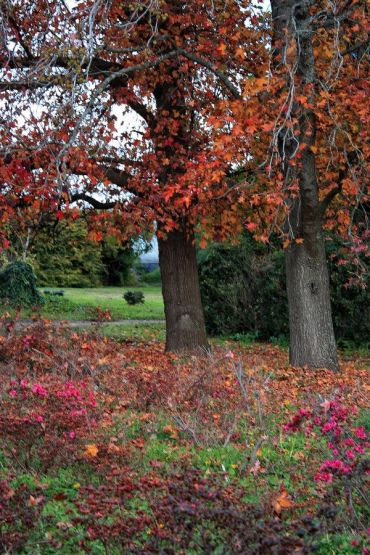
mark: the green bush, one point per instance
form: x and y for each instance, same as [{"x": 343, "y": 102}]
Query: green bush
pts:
[
  {"x": 134, "y": 297},
  {"x": 18, "y": 285},
  {"x": 57, "y": 293},
  {"x": 243, "y": 291},
  {"x": 64, "y": 257},
  {"x": 350, "y": 300},
  {"x": 152, "y": 278},
  {"x": 118, "y": 261}
]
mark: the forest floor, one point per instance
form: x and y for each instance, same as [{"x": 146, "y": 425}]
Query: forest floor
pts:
[{"x": 112, "y": 446}]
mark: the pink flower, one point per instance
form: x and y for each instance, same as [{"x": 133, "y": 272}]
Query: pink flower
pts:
[
  {"x": 72, "y": 435},
  {"x": 360, "y": 432},
  {"x": 336, "y": 464},
  {"x": 39, "y": 418},
  {"x": 350, "y": 454},
  {"x": 39, "y": 390},
  {"x": 349, "y": 441},
  {"x": 328, "y": 426},
  {"x": 12, "y": 393},
  {"x": 323, "y": 477}
]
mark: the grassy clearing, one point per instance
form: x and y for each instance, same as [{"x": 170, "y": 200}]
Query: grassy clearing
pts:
[{"x": 79, "y": 304}]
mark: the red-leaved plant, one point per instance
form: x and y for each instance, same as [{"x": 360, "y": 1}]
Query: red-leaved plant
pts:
[
  {"x": 47, "y": 420},
  {"x": 348, "y": 465}
]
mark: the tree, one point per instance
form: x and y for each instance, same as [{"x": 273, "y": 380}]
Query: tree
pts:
[
  {"x": 63, "y": 255},
  {"x": 118, "y": 261},
  {"x": 319, "y": 56},
  {"x": 169, "y": 63},
  {"x": 212, "y": 96},
  {"x": 309, "y": 155}
]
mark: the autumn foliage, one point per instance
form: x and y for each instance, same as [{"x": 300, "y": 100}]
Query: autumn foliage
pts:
[{"x": 139, "y": 426}]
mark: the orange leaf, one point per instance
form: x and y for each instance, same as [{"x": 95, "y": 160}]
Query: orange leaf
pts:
[
  {"x": 91, "y": 450},
  {"x": 222, "y": 48},
  {"x": 282, "y": 502}
]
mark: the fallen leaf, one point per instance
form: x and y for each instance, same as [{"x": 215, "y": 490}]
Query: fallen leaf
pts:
[
  {"x": 91, "y": 450},
  {"x": 282, "y": 502}
]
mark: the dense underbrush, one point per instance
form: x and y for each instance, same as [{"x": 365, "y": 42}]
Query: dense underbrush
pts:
[{"x": 115, "y": 447}]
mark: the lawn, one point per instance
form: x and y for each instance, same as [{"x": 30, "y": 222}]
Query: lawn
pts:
[
  {"x": 79, "y": 304},
  {"x": 113, "y": 446}
]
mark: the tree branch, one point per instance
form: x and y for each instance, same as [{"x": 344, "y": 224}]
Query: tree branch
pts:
[
  {"x": 112, "y": 72},
  {"x": 324, "y": 204},
  {"x": 25, "y": 85},
  {"x": 222, "y": 77},
  {"x": 95, "y": 203},
  {"x": 142, "y": 111}
]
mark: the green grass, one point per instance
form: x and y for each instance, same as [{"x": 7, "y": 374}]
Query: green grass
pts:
[
  {"x": 78, "y": 303},
  {"x": 136, "y": 332}
]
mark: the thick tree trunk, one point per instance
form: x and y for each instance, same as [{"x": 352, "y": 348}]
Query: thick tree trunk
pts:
[
  {"x": 185, "y": 327},
  {"x": 312, "y": 341}
]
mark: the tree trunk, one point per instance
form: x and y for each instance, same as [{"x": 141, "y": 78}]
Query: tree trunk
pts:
[
  {"x": 312, "y": 341},
  {"x": 185, "y": 327}
]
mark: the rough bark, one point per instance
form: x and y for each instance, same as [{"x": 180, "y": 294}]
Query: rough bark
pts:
[
  {"x": 185, "y": 327},
  {"x": 312, "y": 341}
]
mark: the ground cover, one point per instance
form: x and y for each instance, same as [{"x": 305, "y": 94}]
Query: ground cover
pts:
[{"x": 115, "y": 447}]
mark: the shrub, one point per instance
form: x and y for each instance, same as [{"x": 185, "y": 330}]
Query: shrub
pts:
[
  {"x": 349, "y": 297},
  {"x": 18, "y": 285},
  {"x": 44, "y": 422},
  {"x": 118, "y": 261},
  {"x": 134, "y": 297},
  {"x": 243, "y": 289},
  {"x": 345, "y": 463},
  {"x": 58, "y": 293},
  {"x": 152, "y": 278},
  {"x": 65, "y": 257}
]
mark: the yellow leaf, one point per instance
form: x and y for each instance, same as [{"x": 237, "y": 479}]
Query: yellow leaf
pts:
[
  {"x": 91, "y": 450},
  {"x": 300, "y": 240},
  {"x": 286, "y": 243}
]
